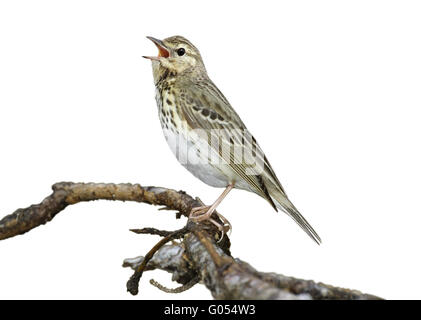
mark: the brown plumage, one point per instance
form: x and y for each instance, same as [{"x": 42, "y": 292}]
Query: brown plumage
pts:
[{"x": 207, "y": 135}]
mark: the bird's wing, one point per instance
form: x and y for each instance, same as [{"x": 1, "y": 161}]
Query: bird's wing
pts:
[{"x": 205, "y": 107}]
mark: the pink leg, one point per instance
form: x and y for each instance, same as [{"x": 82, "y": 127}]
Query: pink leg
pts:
[{"x": 204, "y": 213}]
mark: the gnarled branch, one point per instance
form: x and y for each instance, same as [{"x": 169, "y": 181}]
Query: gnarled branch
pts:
[{"x": 198, "y": 257}]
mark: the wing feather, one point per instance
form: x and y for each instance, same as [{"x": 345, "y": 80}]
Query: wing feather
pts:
[{"x": 211, "y": 111}]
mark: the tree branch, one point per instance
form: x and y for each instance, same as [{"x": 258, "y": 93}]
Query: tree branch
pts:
[{"x": 198, "y": 257}]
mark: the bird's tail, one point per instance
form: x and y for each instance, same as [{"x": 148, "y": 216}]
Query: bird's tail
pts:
[{"x": 284, "y": 204}]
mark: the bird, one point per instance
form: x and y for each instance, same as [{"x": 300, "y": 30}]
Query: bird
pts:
[{"x": 207, "y": 136}]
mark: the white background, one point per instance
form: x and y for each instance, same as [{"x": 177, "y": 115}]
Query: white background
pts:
[{"x": 331, "y": 90}]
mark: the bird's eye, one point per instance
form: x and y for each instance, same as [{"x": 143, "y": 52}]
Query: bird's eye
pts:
[{"x": 181, "y": 51}]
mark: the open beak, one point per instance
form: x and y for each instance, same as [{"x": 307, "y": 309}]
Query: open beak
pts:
[{"x": 162, "y": 50}]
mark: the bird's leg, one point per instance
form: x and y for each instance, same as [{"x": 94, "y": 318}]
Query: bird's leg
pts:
[
  {"x": 198, "y": 214},
  {"x": 224, "y": 228},
  {"x": 205, "y": 212}
]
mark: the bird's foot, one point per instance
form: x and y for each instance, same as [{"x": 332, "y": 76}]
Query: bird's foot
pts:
[
  {"x": 203, "y": 213},
  {"x": 222, "y": 228}
]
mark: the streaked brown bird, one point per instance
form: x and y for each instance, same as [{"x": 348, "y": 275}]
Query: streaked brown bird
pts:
[{"x": 206, "y": 134}]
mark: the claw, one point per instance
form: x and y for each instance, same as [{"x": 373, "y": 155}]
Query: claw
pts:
[
  {"x": 202, "y": 213},
  {"x": 226, "y": 222},
  {"x": 220, "y": 227}
]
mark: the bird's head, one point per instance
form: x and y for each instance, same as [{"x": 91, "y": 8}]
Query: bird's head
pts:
[{"x": 175, "y": 54}]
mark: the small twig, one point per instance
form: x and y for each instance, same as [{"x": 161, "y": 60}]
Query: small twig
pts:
[
  {"x": 133, "y": 283},
  {"x": 152, "y": 231},
  {"x": 179, "y": 289},
  {"x": 210, "y": 248},
  {"x": 165, "y": 208}
]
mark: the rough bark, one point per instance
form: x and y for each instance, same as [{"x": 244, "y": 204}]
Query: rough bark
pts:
[{"x": 198, "y": 257}]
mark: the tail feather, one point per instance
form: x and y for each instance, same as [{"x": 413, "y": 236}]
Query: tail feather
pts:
[
  {"x": 285, "y": 205},
  {"x": 303, "y": 223}
]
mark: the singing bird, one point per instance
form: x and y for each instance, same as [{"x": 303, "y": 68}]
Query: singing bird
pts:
[{"x": 207, "y": 135}]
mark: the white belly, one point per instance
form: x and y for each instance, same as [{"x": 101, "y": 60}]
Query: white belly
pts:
[
  {"x": 185, "y": 147},
  {"x": 195, "y": 161}
]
